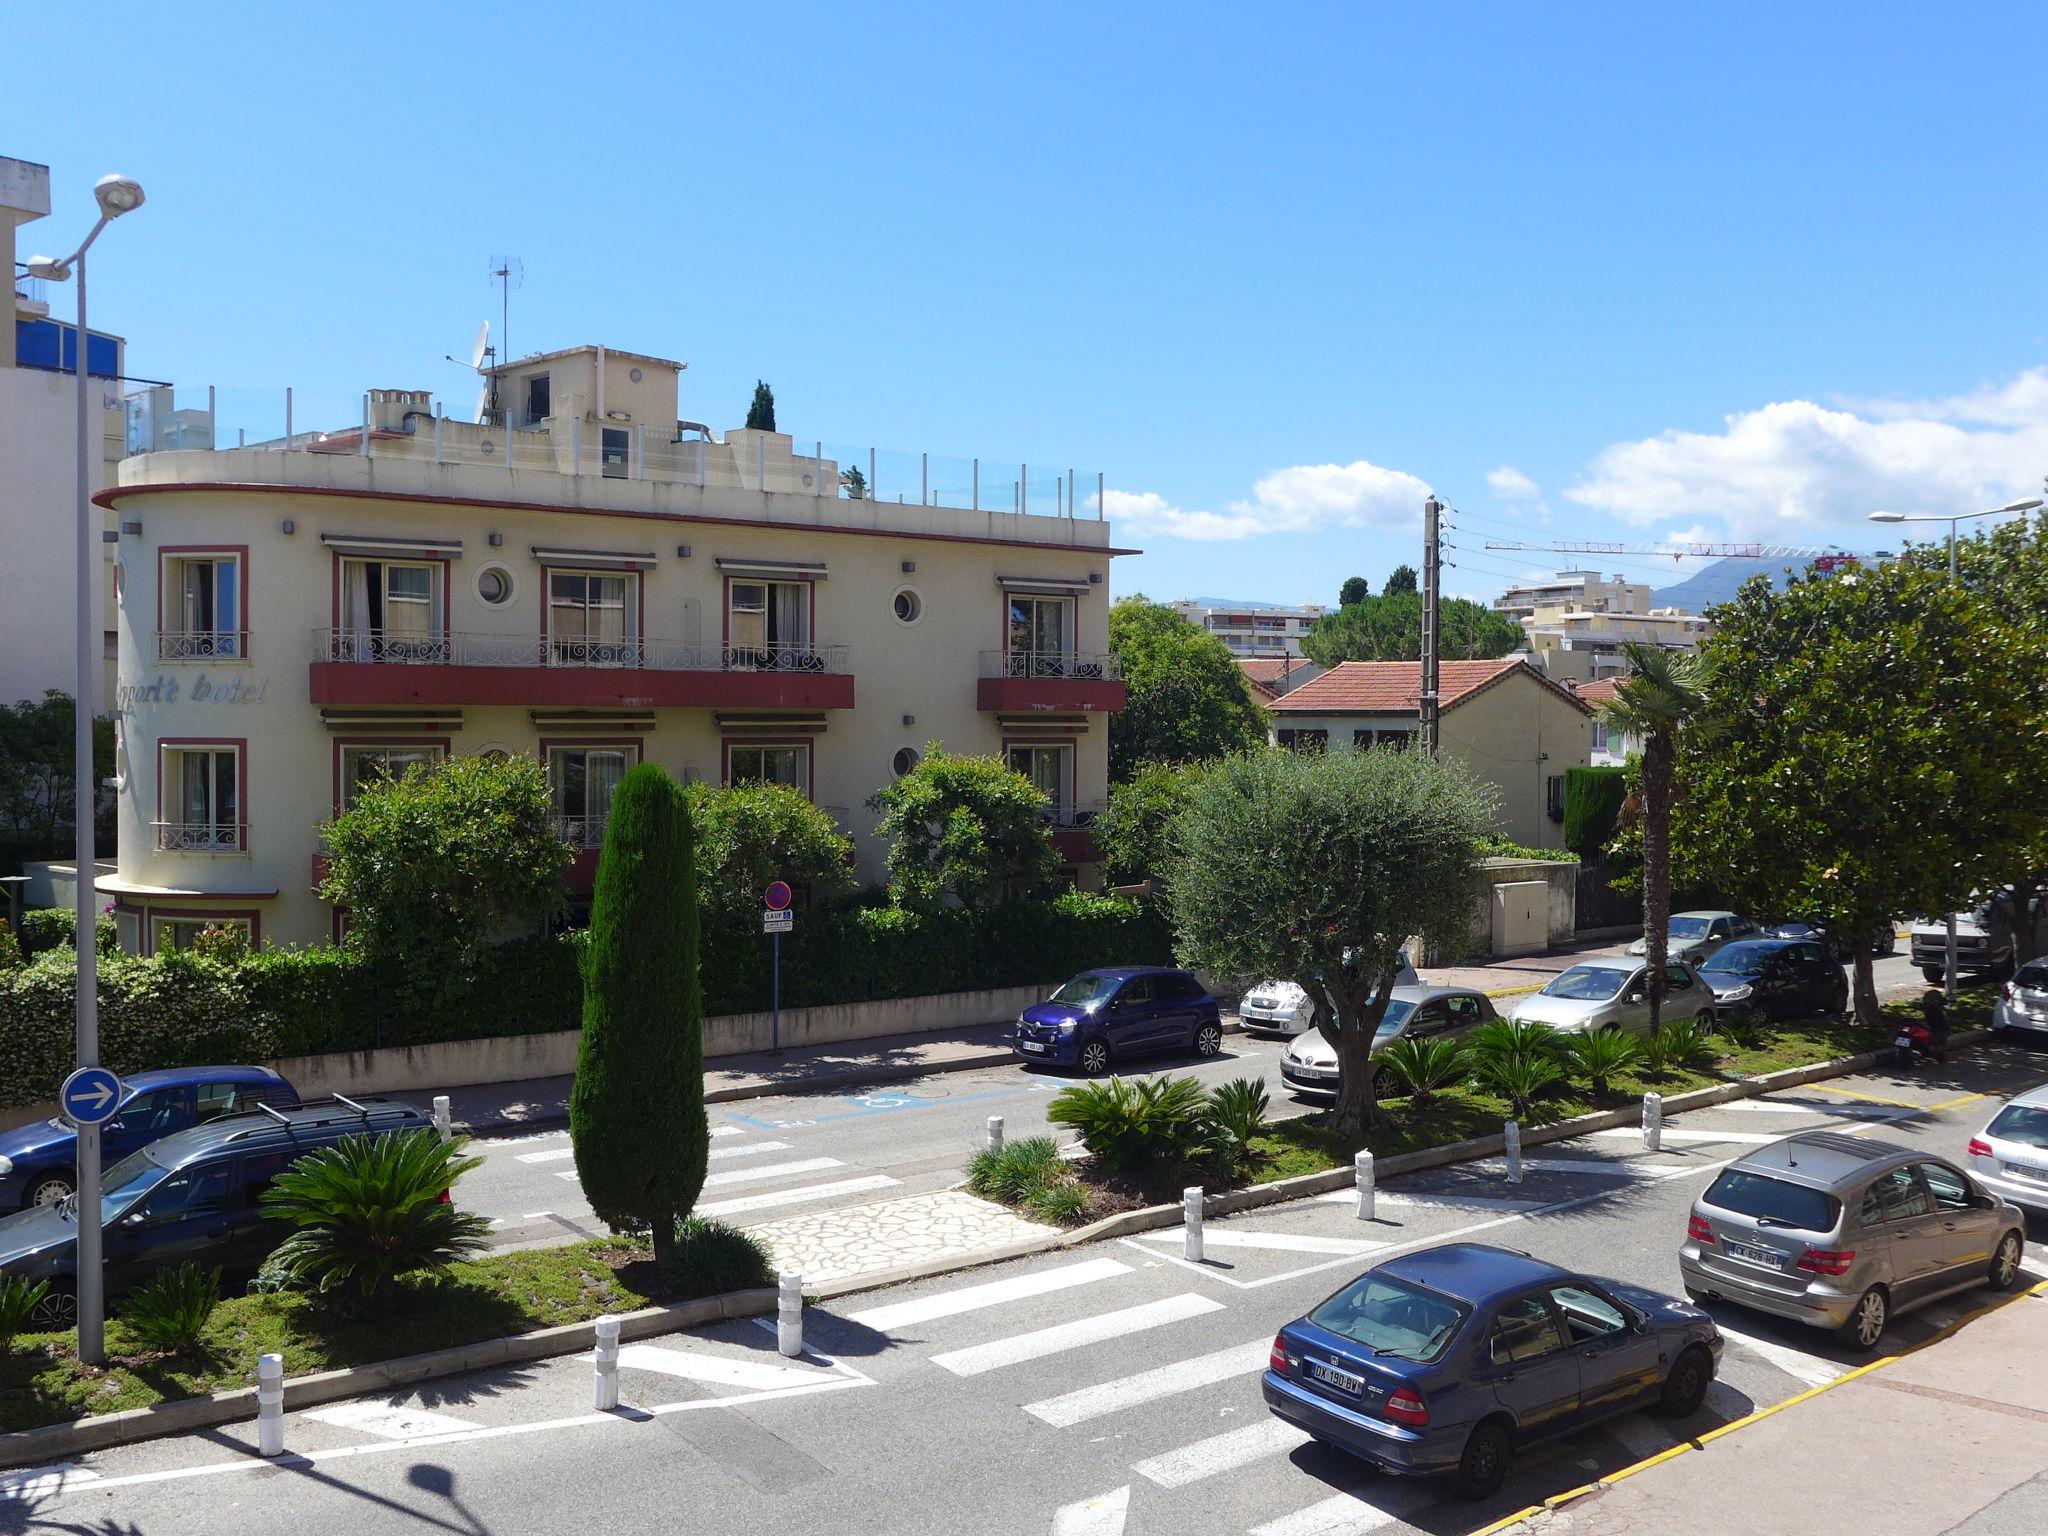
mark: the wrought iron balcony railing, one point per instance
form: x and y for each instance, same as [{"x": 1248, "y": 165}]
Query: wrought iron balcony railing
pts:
[
  {"x": 462, "y": 649},
  {"x": 580, "y": 831},
  {"x": 1065, "y": 814},
  {"x": 201, "y": 837},
  {"x": 1087, "y": 666},
  {"x": 202, "y": 644}
]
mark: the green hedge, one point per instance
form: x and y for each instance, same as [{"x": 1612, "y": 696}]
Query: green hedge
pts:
[
  {"x": 176, "y": 1010},
  {"x": 47, "y": 928},
  {"x": 1592, "y": 806}
]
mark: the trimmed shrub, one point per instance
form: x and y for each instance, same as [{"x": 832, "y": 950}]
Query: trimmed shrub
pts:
[
  {"x": 1601, "y": 1055},
  {"x": 709, "y": 1258},
  {"x": 1016, "y": 1170},
  {"x": 46, "y": 928},
  {"x": 1237, "y": 1112},
  {"x": 1679, "y": 1045},
  {"x": 171, "y": 1309},
  {"x": 1155, "y": 1120},
  {"x": 1422, "y": 1066},
  {"x": 1592, "y": 806},
  {"x": 11, "y": 957},
  {"x": 1060, "y": 1205},
  {"x": 1520, "y": 1062}
]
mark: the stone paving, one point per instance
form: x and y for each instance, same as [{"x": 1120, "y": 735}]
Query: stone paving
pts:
[{"x": 864, "y": 1239}]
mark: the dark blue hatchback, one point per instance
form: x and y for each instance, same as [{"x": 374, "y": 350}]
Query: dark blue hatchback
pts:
[
  {"x": 1451, "y": 1359},
  {"x": 1103, "y": 1015}
]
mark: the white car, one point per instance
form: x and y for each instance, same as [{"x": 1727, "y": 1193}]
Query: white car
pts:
[
  {"x": 1282, "y": 1008},
  {"x": 1607, "y": 992},
  {"x": 1309, "y": 1064},
  {"x": 2023, "y": 1002},
  {"x": 2009, "y": 1156}
]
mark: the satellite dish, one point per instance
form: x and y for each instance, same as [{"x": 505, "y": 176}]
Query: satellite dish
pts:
[
  {"x": 483, "y": 400},
  {"x": 483, "y": 345}
]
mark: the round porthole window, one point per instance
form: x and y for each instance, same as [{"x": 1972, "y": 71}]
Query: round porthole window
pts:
[
  {"x": 906, "y": 760},
  {"x": 909, "y": 606},
  {"x": 494, "y": 585},
  {"x": 496, "y": 754}
]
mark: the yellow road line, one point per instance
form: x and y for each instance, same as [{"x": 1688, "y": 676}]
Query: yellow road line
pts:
[
  {"x": 1513, "y": 991},
  {"x": 1955, "y": 1103},
  {"x": 1868, "y": 1098}
]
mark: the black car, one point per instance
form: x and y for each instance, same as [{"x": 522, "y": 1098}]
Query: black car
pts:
[
  {"x": 1775, "y": 979},
  {"x": 191, "y": 1196},
  {"x": 1840, "y": 950}
]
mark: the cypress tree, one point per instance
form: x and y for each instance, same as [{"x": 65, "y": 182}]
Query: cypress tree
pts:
[
  {"x": 761, "y": 414},
  {"x": 636, "y": 1112}
]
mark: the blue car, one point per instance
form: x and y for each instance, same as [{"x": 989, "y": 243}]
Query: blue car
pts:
[
  {"x": 39, "y": 1162},
  {"x": 1451, "y": 1359},
  {"x": 1103, "y": 1016}
]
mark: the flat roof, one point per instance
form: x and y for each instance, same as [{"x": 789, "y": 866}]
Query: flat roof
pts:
[{"x": 609, "y": 352}]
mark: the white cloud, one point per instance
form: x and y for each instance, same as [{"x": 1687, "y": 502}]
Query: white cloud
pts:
[
  {"x": 1796, "y": 470},
  {"x": 1298, "y": 499},
  {"x": 1510, "y": 484}
]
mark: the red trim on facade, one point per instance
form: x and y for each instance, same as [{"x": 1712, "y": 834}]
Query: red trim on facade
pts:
[
  {"x": 741, "y": 739},
  {"x": 343, "y": 683},
  {"x": 1024, "y": 694},
  {"x": 111, "y": 497},
  {"x": 241, "y": 748},
  {"x": 1076, "y": 845},
  {"x": 146, "y": 932},
  {"x": 342, "y": 743},
  {"x": 180, "y": 552}
]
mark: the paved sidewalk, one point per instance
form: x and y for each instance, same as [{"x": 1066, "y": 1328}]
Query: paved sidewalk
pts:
[
  {"x": 892, "y": 1235},
  {"x": 1951, "y": 1439}
]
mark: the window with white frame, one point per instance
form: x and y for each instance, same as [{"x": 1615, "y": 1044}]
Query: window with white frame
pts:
[
  {"x": 1039, "y": 628},
  {"x": 371, "y": 764},
  {"x": 202, "y": 612},
  {"x": 391, "y": 611},
  {"x": 202, "y": 800},
  {"x": 789, "y": 766},
  {"x": 593, "y": 618},
  {"x": 1050, "y": 770},
  {"x": 581, "y": 782},
  {"x": 768, "y": 624}
]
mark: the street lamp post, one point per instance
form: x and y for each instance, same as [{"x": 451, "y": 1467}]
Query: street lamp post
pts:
[
  {"x": 2027, "y": 504},
  {"x": 116, "y": 195}
]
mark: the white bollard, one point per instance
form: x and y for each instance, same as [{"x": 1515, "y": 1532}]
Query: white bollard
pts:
[
  {"x": 1653, "y": 1122},
  {"x": 1191, "y": 1215},
  {"x": 604, "y": 1385},
  {"x": 270, "y": 1405},
  {"x": 1361, "y": 1169},
  {"x": 789, "y": 1314},
  {"x": 995, "y": 1133},
  {"x": 1513, "y": 1135},
  {"x": 442, "y": 1121}
]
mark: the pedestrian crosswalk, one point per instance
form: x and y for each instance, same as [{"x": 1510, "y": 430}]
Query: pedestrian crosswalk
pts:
[{"x": 1082, "y": 1331}]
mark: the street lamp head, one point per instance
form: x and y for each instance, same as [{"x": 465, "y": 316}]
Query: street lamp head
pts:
[
  {"x": 1887, "y": 517},
  {"x": 118, "y": 195},
  {"x": 48, "y": 268},
  {"x": 2027, "y": 504}
]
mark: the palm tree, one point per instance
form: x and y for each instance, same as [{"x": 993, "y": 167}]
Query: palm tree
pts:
[{"x": 1662, "y": 696}]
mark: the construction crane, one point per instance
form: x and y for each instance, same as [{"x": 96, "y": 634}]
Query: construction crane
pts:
[{"x": 1825, "y": 559}]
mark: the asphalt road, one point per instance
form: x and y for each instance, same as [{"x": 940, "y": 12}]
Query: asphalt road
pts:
[
  {"x": 1087, "y": 1393},
  {"x": 799, "y": 1153}
]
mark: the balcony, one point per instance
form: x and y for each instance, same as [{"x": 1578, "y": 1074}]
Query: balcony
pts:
[
  {"x": 200, "y": 837},
  {"x": 1022, "y": 681},
  {"x": 1072, "y": 823},
  {"x": 387, "y": 668},
  {"x": 202, "y": 645}
]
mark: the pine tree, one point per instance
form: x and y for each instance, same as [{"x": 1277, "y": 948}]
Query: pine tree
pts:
[
  {"x": 636, "y": 1112},
  {"x": 761, "y": 414},
  {"x": 1400, "y": 579}
]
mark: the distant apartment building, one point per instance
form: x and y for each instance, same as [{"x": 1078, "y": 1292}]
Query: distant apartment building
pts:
[
  {"x": 1253, "y": 629},
  {"x": 1572, "y": 645},
  {"x": 578, "y": 577},
  {"x": 1584, "y": 591}
]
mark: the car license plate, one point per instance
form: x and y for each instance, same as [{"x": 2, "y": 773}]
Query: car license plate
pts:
[
  {"x": 1903, "y": 1043},
  {"x": 1749, "y": 1255},
  {"x": 1033, "y": 1045},
  {"x": 1300, "y": 1071},
  {"x": 1330, "y": 1376},
  {"x": 2034, "y": 1175}
]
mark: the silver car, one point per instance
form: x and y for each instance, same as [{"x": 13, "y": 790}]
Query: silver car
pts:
[
  {"x": 2022, "y": 1005},
  {"x": 1282, "y": 1008},
  {"x": 1309, "y": 1064},
  {"x": 1611, "y": 992},
  {"x": 2009, "y": 1157},
  {"x": 1696, "y": 935},
  {"x": 1843, "y": 1232}
]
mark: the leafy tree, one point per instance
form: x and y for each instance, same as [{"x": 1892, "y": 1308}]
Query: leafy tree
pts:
[
  {"x": 1317, "y": 869},
  {"x": 636, "y": 1111},
  {"x": 965, "y": 828},
  {"x": 1592, "y": 806},
  {"x": 761, "y": 413},
  {"x": 1857, "y": 769},
  {"x": 1400, "y": 579},
  {"x": 1356, "y": 589},
  {"x": 855, "y": 482},
  {"x": 36, "y": 791},
  {"x": 1389, "y": 628},
  {"x": 750, "y": 834},
  {"x": 1135, "y": 833},
  {"x": 1659, "y": 701},
  {"x": 1187, "y": 698}
]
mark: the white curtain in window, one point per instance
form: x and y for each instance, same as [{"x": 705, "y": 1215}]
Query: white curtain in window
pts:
[
  {"x": 356, "y": 641},
  {"x": 605, "y": 771}
]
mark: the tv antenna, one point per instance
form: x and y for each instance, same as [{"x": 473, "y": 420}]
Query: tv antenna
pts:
[
  {"x": 481, "y": 352},
  {"x": 508, "y": 272}
]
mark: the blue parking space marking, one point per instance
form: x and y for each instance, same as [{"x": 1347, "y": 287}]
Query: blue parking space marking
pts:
[{"x": 881, "y": 1102}]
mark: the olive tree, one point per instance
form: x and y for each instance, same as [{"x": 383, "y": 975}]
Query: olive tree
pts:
[{"x": 1317, "y": 869}]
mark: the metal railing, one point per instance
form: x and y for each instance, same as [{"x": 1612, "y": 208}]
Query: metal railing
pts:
[
  {"x": 466, "y": 649},
  {"x": 202, "y": 645},
  {"x": 1073, "y": 813},
  {"x": 580, "y": 831},
  {"x": 200, "y": 837},
  {"x": 1090, "y": 666}
]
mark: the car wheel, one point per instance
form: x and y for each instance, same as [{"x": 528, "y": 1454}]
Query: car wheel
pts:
[
  {"x": 1838, "y": 1000},
  {"x": 1093, "y": 1057},
  {"x": 1704, "y": 1018},
  {"x": 57, "y": 1310},
  {"x": 46, "y": 1189},
  {"x": 1888, "y": 943},
  {"x": 1686, "y": 1387},
  {"x": 1208, "y": 1039},
  {"x": 1933, "y": 973},
  {"x": 1484, "y": 1466},
  {"x": 2005, "y": 1262},
  {"x": 1866, "y": 1324}
]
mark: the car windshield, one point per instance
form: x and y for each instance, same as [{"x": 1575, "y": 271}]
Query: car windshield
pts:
[
  {"x": 1395, "y": 1016},
  {"x": 2032, "y": 977},
  {"x": 1391, "y": 1318},
  {"x": 1741, "y": 959},
  {"x": 1774, "y": 1202},
  {"x": 1688, "y": 928},
  {"x": 128, "y": 1181},
  {"x": 1588, "y": 983},
  {"x": 2026, "y": 1124},
  {"x": 1085, "y": 989}
]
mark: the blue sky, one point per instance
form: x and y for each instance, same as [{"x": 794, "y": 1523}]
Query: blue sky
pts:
[{"x": 1590, "y": 272}]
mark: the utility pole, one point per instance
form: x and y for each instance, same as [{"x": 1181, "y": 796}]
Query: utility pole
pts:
[{"x": 1432, "y": 582}]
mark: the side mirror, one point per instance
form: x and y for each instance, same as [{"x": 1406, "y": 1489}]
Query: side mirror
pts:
[
  {"x": 133, "y": 1219},
  {"x": 1635, "y": 997}
]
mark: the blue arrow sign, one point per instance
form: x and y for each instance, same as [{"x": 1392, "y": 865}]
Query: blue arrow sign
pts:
[{"x": 90, "y": 1096}]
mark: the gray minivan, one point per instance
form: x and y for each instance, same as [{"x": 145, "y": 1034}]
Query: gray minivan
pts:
[{"x": 1843, "y": 1232}]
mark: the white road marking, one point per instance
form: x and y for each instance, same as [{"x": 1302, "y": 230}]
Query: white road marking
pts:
[
  {"x": 972, "y": 1298},
  {"x": 1341, "y": 1514},
  {"x": 1431, "y": 1201},
  {"x": 2034, "y": 1264},
  {"x": 1617, "y": 1169},
  {"x": 727, "y": 1130},
  {"x": 1221, "y": 1453},
  {"x": 793, "y": 1196},
  {"x": 1637, "y": 1435},
  {"x": 392, "y": 1421},
  {"x": 1149, "y": 1386},
  {"x": 1796, "y": 1363},
  {"x": 553, "y": 1155},
  {"x": 748, "y": 1151},
  {"x": 713, "y": 1368},
  {"x": 1279, "y": 1242},
  {"x": 1102, "y": 1515},
  {"x": 1679, "y": 1134},
  {"x": 772, "y": 1171},
  {"x": 533, "y": 1215},
  {"x": 1074, "y": 1335},
  {"x": 1808, "y": 1107},
  {"x": 32, "y": 1483}
]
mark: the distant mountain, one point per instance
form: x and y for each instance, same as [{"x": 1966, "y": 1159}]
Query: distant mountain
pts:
[{"x": 1719, "y": 582}]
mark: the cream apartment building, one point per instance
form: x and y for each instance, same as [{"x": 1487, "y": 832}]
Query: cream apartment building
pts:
[
  {"x": 577, "y": 577},
  {"x": 1254, "y": 630}
]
